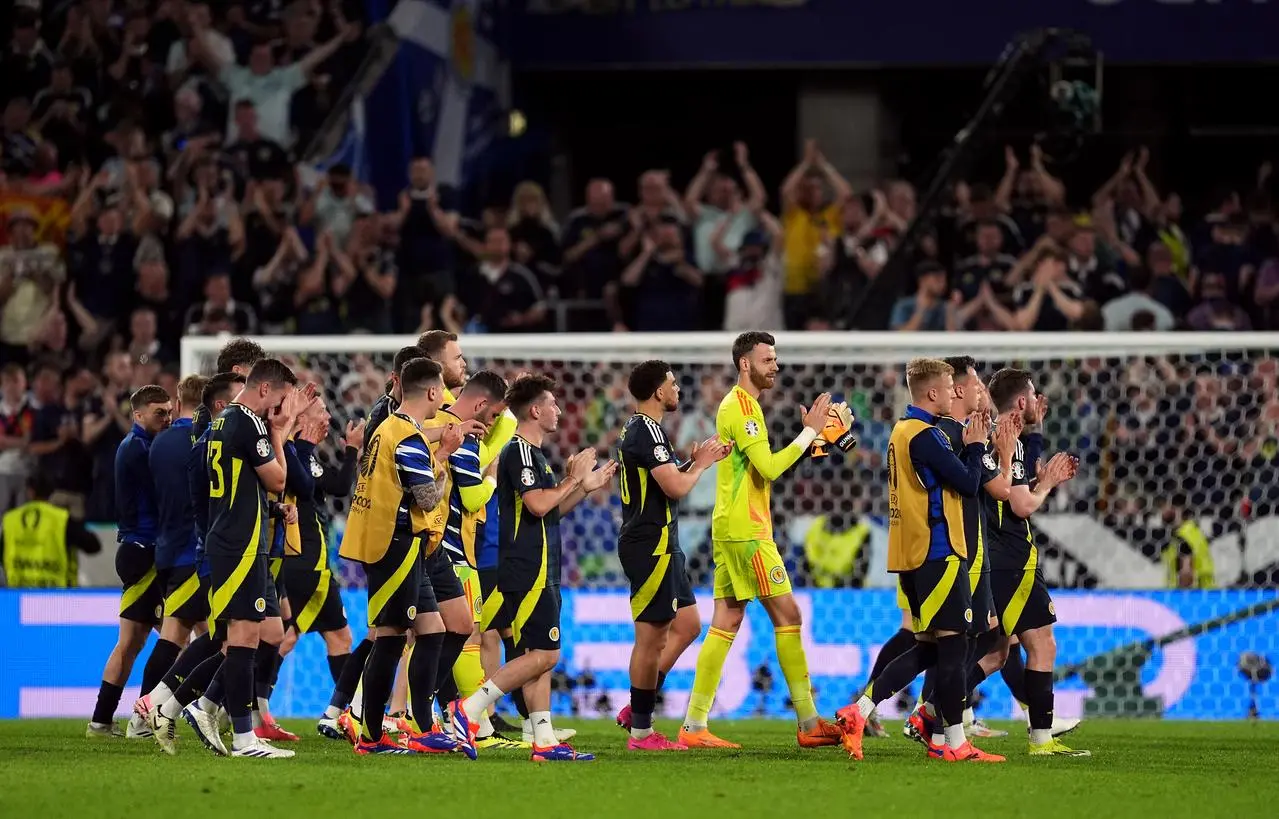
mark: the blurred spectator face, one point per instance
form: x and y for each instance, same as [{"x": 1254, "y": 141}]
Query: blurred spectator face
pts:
[
  {"x": 47, "y": 386},
  {"x": 300, "y": 23},
  {"x": 142, "y": 325},
  {"x": 187, "y": 105},
  {"x": 26, "y": 32},
  {"x": 110, "y": 221},
  {"x": 1058, "y": 225},
  {"x": 340, "y": 181},
  {"x": 1213, "y": 287},
  {"x": 61, "y": 79},
  {"x": 421, "y": 173},
  {"x": 668, "y": 237},
  {"x": 901, "y": 199},
  {"x": 261, "y": 59},
  {"x": 217, "y": 289},
  {"x": 206, "y": 176},
  {"x": 989, "y": 239},
  {"x": 153, "y": 279},
  {"x": 1159, "y": 259},
  {"x": 169, "y": 381},
  {"x": 933, "y": 284},
  {"x": 497, "y": 245},
  {"x": 388, "y": 231},
  {"x": 652, "y": 186},
  {"x": 1028, "y": 186},
  {"x": 530, "y": 200},
  {"x": 118, "y": 369},
  {"x": 79, "y": 385},
  {"x": 1172, "y": 208},
  {"x": 22, "y": 233},
  {"x": 246, "y": 119},
  {"x": 982, "y": 203},
  {"x": 54, "y": 335},
  {"x": 811, "y": 192},
  {"x": 854, "y": 214},
  {"x": 1083, "y": 244},
  {"x": 599, "y": 196},
  {"x": 493, "y": 216},
  {"x": 724, "y": 193},
  {"x": 13, "y": 385},
  {"x": 199, "y": 16},
  {"x": 17, "y": 115}
]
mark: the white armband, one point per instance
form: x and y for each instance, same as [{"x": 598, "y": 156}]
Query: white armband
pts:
[{"x": 805, "y": 437}]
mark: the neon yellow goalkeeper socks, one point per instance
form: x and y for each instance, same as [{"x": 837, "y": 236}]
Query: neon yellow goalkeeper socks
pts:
[
  {"x": 710, "y": 664},
  {"x": 790, "y": 655},
  {"x": 468, "y": 671}
]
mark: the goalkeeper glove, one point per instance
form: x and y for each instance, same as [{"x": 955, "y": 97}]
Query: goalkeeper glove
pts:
[{"x": 838, "y": 431}]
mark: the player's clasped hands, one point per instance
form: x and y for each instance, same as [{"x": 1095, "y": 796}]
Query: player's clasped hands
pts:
[
  {"x": 977, "y": 430},
  {"x": 355, "y": 434},
  {"x": 473, "y": 426},
  {"x": 1060, "y": 468},
  {"x": 450, "y": 440},
  {"x": 710, "y": 451},
  {"x": 815, "y": 416}
]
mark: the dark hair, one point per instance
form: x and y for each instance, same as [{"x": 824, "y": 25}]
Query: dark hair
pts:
[
  {"x": 404, "y": 356},
  {"x": 239, "y": 352},
  {"x": 526, "y": 390},
  {"x": 433, "y": 342},
  {"x": 245, "y": 102},
  {"x": 981, "y": 223},
  {"x": 418, "y": 375},
  {"x": 191, "y": 390},
  {"x": 40, "y": 486},
  {"x": 219, "y": 386},
  {"x": 271, "y": 371},
  {"x": 646, "y": 378},
  {"x": 150, "y": 394},
  {"x": 1138, "y": 278},
  {"x": 1006, "y": 385},
  {"x": 12, "y": 370},
  {"x": 44, "y": 365},
  {"x": 960, "y": 364},
  {"x": 1142, "y": 320},
  {"x": 490, "y": 382},
  {"x": 340, "y": 169},
  {"x": 743, "y": 344}
]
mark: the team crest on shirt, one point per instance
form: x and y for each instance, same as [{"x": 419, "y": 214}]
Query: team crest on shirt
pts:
[
  {"x": 478, "y": 606},
  {"x": 968, "y": 615},
  {"x": 555, "y": 634},
  {"x": 260, "y": 604},
  {"x": 1019, "y": 470},
  {"x": 159, "y": 611},
  {"x": 674, "y": 604},
  {"x": 526, "y": 476},
  {"x": 988, "y": 461},
  {"x": 317, "y": 471},
  {"x": 660, "y": 454},
  {"x": 777, "y": 574},
  {"x": 752, "y": 428},
  {"x": 264, "y": 448},
  {"x": 1052, "y": 609},
  {"x": 412, "y": 612}
]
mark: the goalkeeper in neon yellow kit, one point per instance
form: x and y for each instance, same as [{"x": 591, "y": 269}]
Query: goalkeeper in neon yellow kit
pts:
[{"x": 747, "y": 562}]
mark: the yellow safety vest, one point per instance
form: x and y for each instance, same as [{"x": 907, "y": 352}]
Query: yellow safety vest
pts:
[
  {"x": 35, "y": 546},
  {"x": 909, "y": 525},
  {"x": 832, "y": 555},
  {"x": 1200, "y": 556},
  {"x": 370, "y": 523}
]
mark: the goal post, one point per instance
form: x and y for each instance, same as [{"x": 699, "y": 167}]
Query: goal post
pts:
[{"x": 1171, "y": 429}]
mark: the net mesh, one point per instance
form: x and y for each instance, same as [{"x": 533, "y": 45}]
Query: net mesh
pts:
[{"x": 1166, "y": 438}]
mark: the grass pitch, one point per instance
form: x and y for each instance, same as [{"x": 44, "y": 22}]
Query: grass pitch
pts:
[{"x": 1146, "y": 769}]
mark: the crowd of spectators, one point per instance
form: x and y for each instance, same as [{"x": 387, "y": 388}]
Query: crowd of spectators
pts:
[{"x": 150, "y": 187}]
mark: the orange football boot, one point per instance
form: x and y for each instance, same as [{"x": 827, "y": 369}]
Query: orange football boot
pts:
[{"x": 704, "y": 739}]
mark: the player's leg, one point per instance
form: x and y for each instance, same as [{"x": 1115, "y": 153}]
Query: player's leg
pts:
[
  {"x": 267, "y": 659},
  {"x": 457, "y": 612},
  {"x": 775, "y": 595},
  {"x": 140, "y": 608},
  {"x": 734, "y": 587},
  {"x": 394, "y": 584},
  {"x": 660, "y": 592},
  {"x": 182, "y": 586},
  {"x": 423, "y": 670},
  {"x": 337, "y": 722},
  {"x": 496, "y": 619},
  {"x": 468, "y": 671}
]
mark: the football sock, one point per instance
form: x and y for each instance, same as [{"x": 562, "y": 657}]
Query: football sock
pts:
[
  {"x": 468, "y": 672},
  {"x": 237, "y": 679},
  {"x": 710, "y": 665},
  {"x": 200, "y": 649},
  {"x": 899, "y": 643},
  {"x": 265, "y": 659},
  {"x": 197, "y": 681},
  {"x": 108, "y": 700},
  {"x": 377, "y": 681},
  {"x": 450, "y": 650},
  {"x": 794, "y": 663},
  {"x": 349, "y": 680},
  {"x": 543, "y": 731},
  {"x": 161, "y": 660},
  {"x": 643, "y": 701},
  {"x": 1014, "y": 674},
  {"x": 484, "y": 696},
  {"x": 951, "y": 694},
  {"x": 424, "y": 662},
  {"x": 661, "y": 680},
  {"x": 337, "y": 662},
  {"x": 1039, "y": 701},
  {"x": 517, "y": 696},
  {"x": 214, "y": 693},
  {"x": 897, "y": 675},
  {"x": 929, "y": 688}
]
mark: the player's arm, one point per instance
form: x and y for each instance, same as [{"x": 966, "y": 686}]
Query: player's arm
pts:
[
  {"x": 417, "y": 473},
  {"x": 998, "y": 483},
  {"x": 338, "y": 483},
  {"x": 652, "y": 451},
  {"x": 932, "y": 451},
  {"x": 298, "y": 480},
  {"x": 1025, "y": 501},
  {"x": 498, "y": 436},
  {"x": 590, "y": 479},
  {"x": 521, "y": 471},
  {"x": 749, "y": 432},
  {"x": 473, "y": 487},
  {"x": 198, "y": 485}
]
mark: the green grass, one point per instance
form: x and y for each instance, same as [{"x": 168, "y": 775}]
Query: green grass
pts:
[{"x": 1147, "y": 769}]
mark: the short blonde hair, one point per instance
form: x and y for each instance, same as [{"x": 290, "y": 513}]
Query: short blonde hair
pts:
[
  {"x": 191, "y": 390},
  {"x": 922, "y": 372}
]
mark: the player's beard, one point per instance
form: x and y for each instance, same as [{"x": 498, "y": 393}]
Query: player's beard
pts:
[
  {"x": 760, "y": 381},
  {"x": 455, "y": 380}
]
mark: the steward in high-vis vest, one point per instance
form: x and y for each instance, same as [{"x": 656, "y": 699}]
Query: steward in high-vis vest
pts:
[
  {"x": 832, "y": 548},
  {"x": 39, "y": 541},
  {"x": 1189, "y": 547}
]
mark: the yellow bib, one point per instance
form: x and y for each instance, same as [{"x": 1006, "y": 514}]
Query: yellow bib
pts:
[
  {"x": 370, "y": 523},
  {"x": 910, "y": 529},
  {"x": 35, "y": 546}
]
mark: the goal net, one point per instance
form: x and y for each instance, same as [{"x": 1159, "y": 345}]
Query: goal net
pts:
[{"x": 1178, "y": 440}]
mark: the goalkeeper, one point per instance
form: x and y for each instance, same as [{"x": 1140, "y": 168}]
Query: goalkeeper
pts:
[{"x": 747, "y": 562}]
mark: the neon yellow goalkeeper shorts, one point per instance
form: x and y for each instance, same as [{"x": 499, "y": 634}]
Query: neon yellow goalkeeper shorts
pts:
[
  {"x": 749, "y": 569},
  {"x": 470, "y": 580}
]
